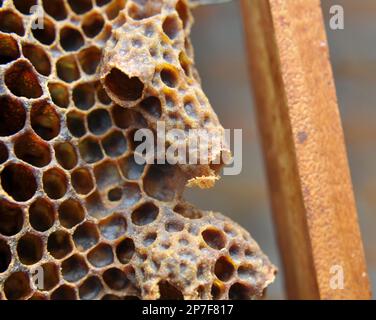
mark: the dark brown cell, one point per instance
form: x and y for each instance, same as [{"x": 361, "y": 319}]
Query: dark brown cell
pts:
[
  {"x": 8, "y": 49},
  {"x": 55, "y": 8},
  {"x": 11, "y": 22},
  {"x": 71, "y": 39},
  {"x": 45, "y": 120},
  {"x": 11, "y": 218},
  {"x": 30, "y": 249},
  {"x": 92, "y": 24},
  {"x": 214, "y": 238},
  {"x": 33, "y": 150},
  {"x": 12, "y": 116},
  {"x": 59, "y": 94},
  {"x": 22, "y": 81},
  {"x": 47, "y": 34},
  {"x": 124, "y": 87},
  {"x": 59, "y": 244},
  {"x": 71, "y": 213},
  {"x": 38, "y": 58},
  {"x": 41, "y": 214},
  {"x": 66, "y": 155},
  {"x": 19, "y": 189},
  {"x": 55, "y": 183}
]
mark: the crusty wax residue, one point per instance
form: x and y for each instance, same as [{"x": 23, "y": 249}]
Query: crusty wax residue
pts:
[{"x": 75, "y": 206}]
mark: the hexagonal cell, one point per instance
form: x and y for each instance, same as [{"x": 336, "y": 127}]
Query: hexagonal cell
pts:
[
  {"x": 131, "y": 194},
  {"x": 84, "y": 96},
  {"x": 30, "y": 249},
  {"x": 8, "y": 49},
  {"x": 115, "y": 279},
  {"x": 80, "y": 6},
  {"x": 125, "y": 118},
  {"x": 82, "y": 181},
  {"x": 168, "y": 291},
  {"x": 74, "y": 268},
  {"x": 59, "y": 244},
  {"x": 107, "y": 174},
  {"x": 171, "y": 27},
  {"x": 183, "y": 12},
  {"x": 76, "y": 123},
  {"x": 24, "y": 6},
  {"x": 5, "y": 256},
  {"x": 240, "y": 291},
  {"x": 145, "y": 214},
  {"x": 33, "y": 150},
  {"x": 11, "y": 218},
  {"x": 90, "y": 150},
  {"x": 67, "y": 69},
  {"x": 130, "y": 168},
  {"x": 114, "y": 8},
  {"x": 11, "y": 22},
  {"x": 85, "y": 236},
  {"x": 113, "y": 226},
  {"x": 55, "y": 8},
  {"x": 93, "y": 24},
  {"x": 64, "y": 292},
  {"x": 149, "y": 239},
  {"x": 122, "y": 86},
  {"x": 235, "y": 251},
  {"x": 19, "y": 189},
  {"x": 45, "y": 121},
  {"x": 163, "y": 182},
  {"x": 246, "y": 272},
  {"x": 101, "y": 255},
  {"x": 224, "y": 268},
  {"x": 55, "y": 183},
  {"x": 89, "y": 59},
  {"x": 41, "y": 214},
  {"x": 17, "y": 286},
  {"x": 47, "y": 34},
  {"x": 102, "y": 95},
  {"x": 4, "y": 153},
  {"x": 12, "y": 116},
  {"x": 185, "y": 63},
  {"x": 217, "y": 290},
  {"x": 50, "y": 276},
  {"x": 71, "y": 213},
  {"x": 99, "y": 121},
  {"x": 59, "y": 94},
  {"x": 214, "y": 238},
  {"x": 114, "y": 144},
  {"x": 71, "y": 39},
  {"x": 174, "y": 226},
  {"x": 125, "y": 250},
  {"x": 38, "y": 58},
  {"x": 152, "y": 105},
  {"x": 90, "y": 288},
  {"x": 22, "y": 81},
  {"x": 188, "y": 211},
  {"x": 66, "y": 155},
  {"x": 169, "y": 76},
  {"x": 190, "y": 108},
  {"x": 145, "y": 10}
]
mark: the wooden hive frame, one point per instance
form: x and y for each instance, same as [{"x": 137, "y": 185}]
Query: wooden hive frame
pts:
[{"x": 304, "y": 151}]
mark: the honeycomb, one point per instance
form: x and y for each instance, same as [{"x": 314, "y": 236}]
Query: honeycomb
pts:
[{"x": 75, "y": 205}]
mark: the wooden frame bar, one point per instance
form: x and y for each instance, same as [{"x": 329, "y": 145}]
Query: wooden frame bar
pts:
[{"x": 304, "y": 151}]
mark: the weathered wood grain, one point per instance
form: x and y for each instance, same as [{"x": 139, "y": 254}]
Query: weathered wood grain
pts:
[{"x": 304, "y": 151}]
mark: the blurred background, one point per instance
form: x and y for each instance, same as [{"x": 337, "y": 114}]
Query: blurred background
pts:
[{"x": 221, "y": 60}]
